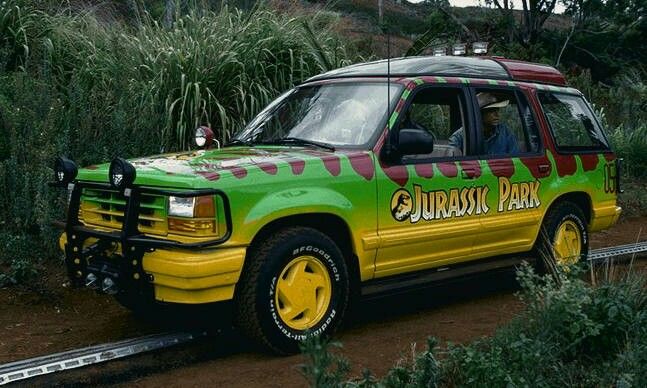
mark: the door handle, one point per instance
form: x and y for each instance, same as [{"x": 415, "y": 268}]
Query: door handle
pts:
[
  {"x": 543, "y": 168},
  {"x": 468, "y": 173}
]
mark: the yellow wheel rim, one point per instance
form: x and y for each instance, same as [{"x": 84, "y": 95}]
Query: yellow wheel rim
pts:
[
  {"x": 303, "y": 292},
  {"x": 568, "y": 244}
]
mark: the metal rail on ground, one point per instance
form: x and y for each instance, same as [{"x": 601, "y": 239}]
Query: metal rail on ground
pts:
[
  {"x": 20, "y": 370},
  {"x": 617, "y": 251},
  {"x": 33, "y": 367}
]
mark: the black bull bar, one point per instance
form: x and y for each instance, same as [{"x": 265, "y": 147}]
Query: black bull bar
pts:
[{"x": 127, "y": 267}]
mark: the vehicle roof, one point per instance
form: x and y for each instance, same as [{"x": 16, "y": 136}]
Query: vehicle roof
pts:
[{"x": 451, "y": 66}]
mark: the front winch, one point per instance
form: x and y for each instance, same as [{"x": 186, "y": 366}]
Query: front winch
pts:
[
  {"x": 91, "y": 281},
  {"x": 109, "y": 286}
]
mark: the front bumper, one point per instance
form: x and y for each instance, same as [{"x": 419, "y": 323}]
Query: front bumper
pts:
[
  {"x": 180, "y": 276},
  {"x": 150, "y": 267}
]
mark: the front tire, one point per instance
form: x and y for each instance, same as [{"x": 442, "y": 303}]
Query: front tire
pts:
[
  {"x": 294, "y": 284},
  {"x": 147, "y": 309},
  {"x": 563, "y": 240}
]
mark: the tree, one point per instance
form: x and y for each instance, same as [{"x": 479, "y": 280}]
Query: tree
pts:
[
  {"x": 533, "y": 16},
  {"x": 607, "y": 36},
  {"x": 169, "y": 13}
]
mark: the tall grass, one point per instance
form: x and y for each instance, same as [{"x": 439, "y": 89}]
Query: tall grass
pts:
[
  {"x": 87, "y": 83},
  {"x": 210, "y": 68}
]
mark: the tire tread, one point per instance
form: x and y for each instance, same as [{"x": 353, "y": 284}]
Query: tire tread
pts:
[{"x": 246, "y": 315}]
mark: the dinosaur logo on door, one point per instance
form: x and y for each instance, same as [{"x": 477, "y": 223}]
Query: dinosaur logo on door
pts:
[{"x": 401, "y": 205}]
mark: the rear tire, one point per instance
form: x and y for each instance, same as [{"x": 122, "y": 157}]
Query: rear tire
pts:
[
  {"x": 294, "y": 284},
  {"x": 563, "y": 239}
]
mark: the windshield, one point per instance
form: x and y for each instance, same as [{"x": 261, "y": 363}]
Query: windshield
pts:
[{"x": 342, "y": 114}]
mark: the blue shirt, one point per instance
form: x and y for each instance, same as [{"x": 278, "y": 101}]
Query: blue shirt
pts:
[{"x": 500, "y": 142}]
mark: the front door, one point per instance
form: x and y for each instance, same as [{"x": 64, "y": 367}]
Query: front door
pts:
[{"x": 428, "y": 205}]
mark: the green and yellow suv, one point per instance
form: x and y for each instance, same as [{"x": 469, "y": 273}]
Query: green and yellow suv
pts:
[{"x": 356, "y": 182}]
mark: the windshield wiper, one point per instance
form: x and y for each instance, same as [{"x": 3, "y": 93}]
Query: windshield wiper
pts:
[
  {"x": 299, "y": 141},
  {"x": 239, "y": 142}
]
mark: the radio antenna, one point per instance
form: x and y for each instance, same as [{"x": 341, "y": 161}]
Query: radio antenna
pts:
[
  {"x": 388, "y": 146},
  {"x": 388, "y": 75},
  {"x": 380, "y": 5}
]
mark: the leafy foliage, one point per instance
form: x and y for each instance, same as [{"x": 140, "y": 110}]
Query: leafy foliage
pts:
[
  {"x": 324, "y": 368},
  {"x": 90, "y": 84},
  {"x": 571, "y": 334}
]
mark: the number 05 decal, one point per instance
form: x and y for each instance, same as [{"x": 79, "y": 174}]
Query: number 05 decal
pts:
[{"x": 610, "y": 178}]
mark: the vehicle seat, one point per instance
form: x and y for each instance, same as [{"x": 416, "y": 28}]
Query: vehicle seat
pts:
[
  {"x": 442, "y": 149},
  {"x": 445, "y": 151}
]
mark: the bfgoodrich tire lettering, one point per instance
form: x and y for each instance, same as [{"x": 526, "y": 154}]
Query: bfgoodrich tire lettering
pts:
[
  {"x": 269, "y": 302},
  {"x": 564, "y": 218}
]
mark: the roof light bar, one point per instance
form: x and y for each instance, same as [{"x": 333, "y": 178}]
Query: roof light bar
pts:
[
  {"x": 479, "y": 48},
  {"x": 459, "y": 49},
  {"x": 440, "y": 51}
]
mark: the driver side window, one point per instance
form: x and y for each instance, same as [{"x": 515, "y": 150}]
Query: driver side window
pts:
[{"x": 440, "y": 112}]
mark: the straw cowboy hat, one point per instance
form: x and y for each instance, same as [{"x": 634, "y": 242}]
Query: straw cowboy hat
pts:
[{"x": 489, "y": 101}]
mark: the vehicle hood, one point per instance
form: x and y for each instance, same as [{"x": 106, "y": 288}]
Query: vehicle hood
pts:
[{"x": 190, "y": 169}]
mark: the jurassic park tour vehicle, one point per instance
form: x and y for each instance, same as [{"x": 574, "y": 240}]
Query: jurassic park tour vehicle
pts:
[{"x": 361, "y": 181}]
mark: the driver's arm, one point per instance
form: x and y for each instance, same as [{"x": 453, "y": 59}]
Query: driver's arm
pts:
[
  {"x": 456, "y": 139},
  {"x": 511, "y": 145}
]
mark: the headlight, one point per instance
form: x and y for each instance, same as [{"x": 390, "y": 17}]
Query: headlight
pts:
[
  {"x": 181, "y": 207},
  {"x": 194, "y": 207},
  {"x": 122, "y": 174},
  {"x": 65, "y": 170},
  {"x": 193, "y": 216}
]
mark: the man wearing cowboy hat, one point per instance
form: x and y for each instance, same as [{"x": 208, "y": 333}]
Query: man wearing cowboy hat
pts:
[{"x": 498, "y": 138}]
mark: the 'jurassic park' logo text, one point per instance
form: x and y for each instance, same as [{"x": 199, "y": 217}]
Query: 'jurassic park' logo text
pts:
[{"x": 442, "y": 204}]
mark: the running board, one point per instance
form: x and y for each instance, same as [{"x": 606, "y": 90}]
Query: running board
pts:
[{"x": 417, "y": 279}]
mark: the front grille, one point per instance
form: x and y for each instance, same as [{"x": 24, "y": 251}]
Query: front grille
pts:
[{"x": 106, "y": 208}]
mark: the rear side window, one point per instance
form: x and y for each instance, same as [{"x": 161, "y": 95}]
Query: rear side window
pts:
[
  {"x": 572, "y": 123},
  {"x": 506, "y": 123}
]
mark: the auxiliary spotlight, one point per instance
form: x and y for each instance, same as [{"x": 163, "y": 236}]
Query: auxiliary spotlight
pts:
[
  {"x": 122, "y": 174},
  {"x": 65, "y": 170}
]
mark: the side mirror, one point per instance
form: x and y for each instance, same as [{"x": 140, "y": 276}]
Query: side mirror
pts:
[{"x": 414, "y": 141}]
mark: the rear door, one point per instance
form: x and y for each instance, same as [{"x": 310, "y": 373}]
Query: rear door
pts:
[{"x": 516, "y": 170}]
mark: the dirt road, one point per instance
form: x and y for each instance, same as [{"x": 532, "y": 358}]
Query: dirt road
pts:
[{"x": 380, "y": 333}]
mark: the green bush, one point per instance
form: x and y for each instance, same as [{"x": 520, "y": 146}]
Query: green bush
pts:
[
  {"x": 570, "y": 334},
  {"x": 324, "y": 368},
  {"x": 566, "y": 336},
  {"x": 29, "y": 120},
  {"x": 621, "y": 103},
  {"x": 633, "y": 200},
  {"x": 20, "y": 268},
  {"x": 631, "y": 145}
]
